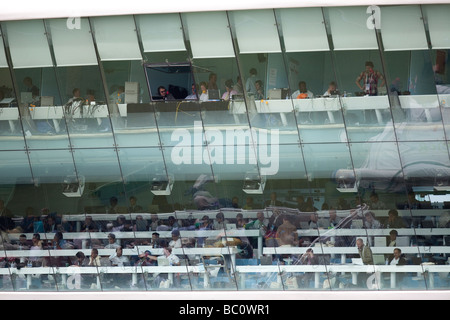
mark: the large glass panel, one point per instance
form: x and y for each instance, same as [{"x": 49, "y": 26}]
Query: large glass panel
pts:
[
  {"x": 160, "y": 33},
  {"x": 215, "y": 70},
  {"x": 263, "y": 69},
  {"x": 72, "y": 45},
  {"x": 312, "y": 83},
  {"x": 440, "y": 45},
  {"x": 359, "y": 72},
  {"x": 133, "y": 122},
  {"x": 116, "y": 38},
  {"x": 416, "y": 109},
  {"x": 148, "y": 193},
  {"x": 312, "y": 73},
  {"x": 25, "y": 37},
  {"x": 10, "y": 126},
  {"x": 427, "y": 180}
]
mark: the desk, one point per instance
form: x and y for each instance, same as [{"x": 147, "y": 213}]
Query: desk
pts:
[
  {"x": 71, "y": 281},
  {"x": 224, "y": 251},
  {"x": 327, "y": 104},
  {"x": 11, "y": 115},
  {"x": 374, "y": 270}
]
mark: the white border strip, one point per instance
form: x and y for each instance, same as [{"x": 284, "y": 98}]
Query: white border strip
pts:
[
  {"x": 32, "y": 9},
  {"x": 231, "y": 295}
]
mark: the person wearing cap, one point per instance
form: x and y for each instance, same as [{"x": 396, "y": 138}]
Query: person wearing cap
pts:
[
  {"x": 176, "y": 241},
  {"x": 146, "y": 259}
]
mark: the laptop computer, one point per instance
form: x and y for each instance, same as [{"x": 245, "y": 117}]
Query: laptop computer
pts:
[
  {"x": 47, "y": 101},
  {"x": 266, "y": 260},
  {"x": 378, "y": 259},
  {"x": 230, "y": 226},
  {"x": 402, "y": 242},
  {"x": 26, "y": 97},
  {"x": 213, "y": 94},
  {"x": 162, "y": 261},
  {"x": 380, "y": 242}
]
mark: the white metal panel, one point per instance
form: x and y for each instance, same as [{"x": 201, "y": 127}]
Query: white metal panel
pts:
[
  {"x": 349, "y": 29},
  {"x": 256, "y": 31},
  {"x": 160, "y": 33},
  {"x": 3, "y": 62},
  {"x": 402, "y": 28},
  {"x": 73, "y": 46},
  {"x": 116, "y": 38},
  {"x": 28, "y": 44},
  {"x": 437, "y": 17},
  {"x": 31, "y": 9},
  {"x": 304, "y": 30},
  {"x": 209, "y": 35}
]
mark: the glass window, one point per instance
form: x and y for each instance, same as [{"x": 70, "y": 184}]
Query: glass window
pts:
[
  {"x": 352, "y": 21},
  {"x": 116, "y": 38},
  {"x": 303, "y": 30},
  {"x": 72, "y": 46},
  {"x": 161, "y": 32},
  {"x": 209, "y": 35},
  {"x": 396, "y": 21},
  {"x": 437, "y": 23},
  {"x": 256, "y": 31},
  {"x": 25, "y": 37}
]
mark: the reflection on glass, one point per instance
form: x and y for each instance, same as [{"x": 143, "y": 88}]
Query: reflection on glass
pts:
[{"x": 311, "y": 161}]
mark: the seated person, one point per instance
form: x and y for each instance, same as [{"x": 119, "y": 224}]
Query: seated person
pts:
[
  {"x": 228, "y": 95},
  {"x": 302, "y": 92},
  {"x": 117, "y": 259},
  {"x": 193, "y": 95},
  {"x": 397, "y": 259},
  {"x": 331, "y": 90},
  {"x": 204, "y": 92},
  {"x": 164, "y": 94}
]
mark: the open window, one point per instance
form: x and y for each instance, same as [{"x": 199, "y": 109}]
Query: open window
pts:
[{"x": 170, "y": 81}]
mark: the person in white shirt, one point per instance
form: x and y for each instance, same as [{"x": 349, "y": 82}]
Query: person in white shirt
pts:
[
  {"x": 193, "y": 95},
  {"x": 302, "y": 89},
  {"x": 173, "y": 259},
  {"x": 176, "y": 240},
  {"x": 396, "y": 259},
  {"x": 119, "y": 260},
  {"x": 331, "y": 90},
  {"x": 204, "y": 92}
]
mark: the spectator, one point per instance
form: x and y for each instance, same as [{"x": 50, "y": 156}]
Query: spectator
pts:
[
  {"x": 140, "y": 224},
  {"x": 370, "y": 222},
  {"x": 173, "y": 259},
  {"x": 397, "y": 258},
  {"x": 134, "y": 207},
  {"x": 117, "y": 259},
  {"x": 113, "y": 201},
  {"x": 273, "y": 202},
  {"x": 89, "y": 225},
  {"x": 392, "y": 240},
  {"x": 112, "y": 243},
  {"x": 394, "y": 221},
  {"x": 94, "y": 259},
  {"x": 287, "y": 233},
  {"x": 80, "y": 260},
  {"x": 176, "y": 240},
  {"x": 220, "y": 222},
  {"x": 364, "y": 252},
  {"x": 375, "y": 203}
]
